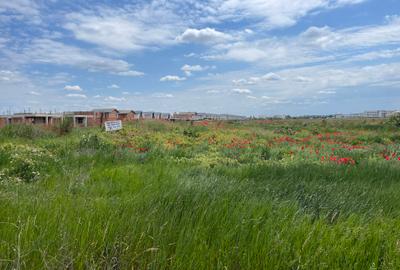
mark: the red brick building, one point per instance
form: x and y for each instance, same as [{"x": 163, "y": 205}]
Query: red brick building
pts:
[{"x": 126, "y": 115}]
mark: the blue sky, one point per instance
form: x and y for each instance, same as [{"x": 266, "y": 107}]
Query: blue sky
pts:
[{"x": 250, "y": 57}]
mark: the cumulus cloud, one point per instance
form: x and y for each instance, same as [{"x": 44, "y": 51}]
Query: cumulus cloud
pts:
[
  {"x": 315, "y": 45},
  {"x": 73, "y": 88},
  {"x": 34, "y": 93},
  {"x": 134, "y": 27},
  {"x": 130, "y": 73},
  {"x": 115, "y": 99},
  {"x": 162, "y": 95},
  {"x": 82, "y": 96},
  {"x": 113, "y": 86},
  {"x": 302, "y": 79},
  {"x": 46, "y": 51},
  {"x": 205, "y": 35},
  {"x": 188, "y": 69},
  {"x": 272, "y": 77},
  {"x": 241, "y": 91},
  {"x": 172, "y": 78},
  {"x": 327, "y": 92},
  {"x": 213, "y": 91},
  {"x": 25, "y": 7},
  {"x": 272, "y": 13}
]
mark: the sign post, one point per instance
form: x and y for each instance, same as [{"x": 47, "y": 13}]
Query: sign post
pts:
[{"x": 113, "y": 125}]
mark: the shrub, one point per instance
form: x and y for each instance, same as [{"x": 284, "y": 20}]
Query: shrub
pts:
[
  {"x": 25, "y": 131},
  {"x": 24, "y": 163},
  {"x": 93, "y": 141},
  {"x": 395, "y": 120},
  {"x": 266, "y": 153},
  {"x": 65, "y": 126}
]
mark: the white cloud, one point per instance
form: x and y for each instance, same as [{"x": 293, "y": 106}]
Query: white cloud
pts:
[
  {"x": 272, "y": 77},
  {"x": 206, "y": 35},
  {"x": 113, "y": 86},
  {"x": 162, "y": 95},
  {"x": 46, "y": 51},
  {"x": 77, "y": 96},
  {"x": 34, "y": 93},
  {"x": 130, "y": 73},
  {"x": 115, "y": 99},
  {"x": 172, "y": 78},
  {"x": 315, "y": 45},
  {"x": 26, "y": 7},
  {"x": 213, "y": 92},
  {"x": 249, "y": 81},
  {"x": 274, "y": 13},
  {"x": 188, "y": 69},
  {"x": 327, "y": 92},
  {"x": 241, "y": 91},
  {"x": 302, "y": 79},
  {"x": 190, "y": 55},
  {"x": 134, "y": 27},
  {"x": 73, "y": 88}
]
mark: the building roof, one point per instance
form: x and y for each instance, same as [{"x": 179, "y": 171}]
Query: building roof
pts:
[
  {"x": 36, "y": 115},
  {"x": 125, "y": 111},
  {"x": 107, "y": 110}
]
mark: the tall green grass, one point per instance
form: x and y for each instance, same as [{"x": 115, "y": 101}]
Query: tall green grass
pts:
[{"x": 102, "y": 207}]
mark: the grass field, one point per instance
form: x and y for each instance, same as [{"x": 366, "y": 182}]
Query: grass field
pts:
[{"x": 213, "y": 195}]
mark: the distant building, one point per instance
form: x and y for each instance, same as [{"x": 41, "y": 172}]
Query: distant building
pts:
[
  {"x": 46, "y": 119},
  {"x": 148, "y": 115},
  {"x": 367, "y": 114},
  {"x": 157, "y": 115},
  {"x": 184, "y": 116},
  {"x": 126, "y": 115},
  {"x": 165, "y": 116},
  {"x": 193, "y": 116},
  {"x": 138, "y": 115}
]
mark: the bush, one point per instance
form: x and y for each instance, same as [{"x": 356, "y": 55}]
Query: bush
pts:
[
  {"x": 395, "y": 120},
  {"x": 23, "y": 163},
  {"x": 194, "y": 131},
  {"x": 94, "y": 142},
  {"x": 65, "y": 126},
  {"x": 25, "y": 131}
]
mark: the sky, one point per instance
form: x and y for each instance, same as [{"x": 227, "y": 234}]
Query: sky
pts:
[{"x": 247, "y": 57}]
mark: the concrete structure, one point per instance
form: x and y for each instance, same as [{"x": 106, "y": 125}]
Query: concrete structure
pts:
[
  {"x": 31, "y": 118},
  {"x": 157, "y": 115},
  {"x": 138, "y": 115},
  {"x": 165, "y": 116},
  {"x": 367, "y": 114},
  {"x": 192, "y": 116},
  {"x": 81, "y": 118},
  {"x": 184, "y": 116},
  {"x": 148, "y": 115},
  {"x": 97, "y": 117}
]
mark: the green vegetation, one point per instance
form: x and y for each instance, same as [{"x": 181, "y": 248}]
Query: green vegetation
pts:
[{"x": 213, "y": 195}]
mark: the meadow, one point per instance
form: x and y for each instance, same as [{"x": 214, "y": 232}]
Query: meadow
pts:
[{"x": 260, "y": 194}]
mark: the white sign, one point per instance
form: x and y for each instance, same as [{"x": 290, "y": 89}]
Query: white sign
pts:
[{"x": 113, "y": 125}]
